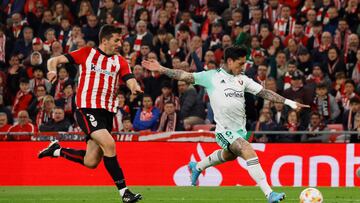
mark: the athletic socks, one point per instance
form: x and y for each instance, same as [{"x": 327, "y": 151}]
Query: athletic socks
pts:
[
  {"x": 71, "y": 154},
  {"x": 257, "y": 173},
  {"x": 212, "y": 160},
  {"x": 113, "y": 168}
]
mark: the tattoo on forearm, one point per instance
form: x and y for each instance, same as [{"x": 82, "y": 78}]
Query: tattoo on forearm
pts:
[
  {"x": 179, "y": 75},
  {"x": 271, "y": 96}
]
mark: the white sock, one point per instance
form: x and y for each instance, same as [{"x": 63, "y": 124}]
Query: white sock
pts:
[
  {"x": 122, "y": 191},
  {"x": 57, "y": 152},
  {"x": 257, "y": 174},
  {"x": 212, "y": 160}
]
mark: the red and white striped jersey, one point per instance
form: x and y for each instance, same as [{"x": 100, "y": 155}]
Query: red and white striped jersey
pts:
[{"x": 99, "y": 78}]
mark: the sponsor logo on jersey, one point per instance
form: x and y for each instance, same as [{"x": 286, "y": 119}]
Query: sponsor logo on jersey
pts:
[
  {"x": 229, "y": 92},
  {"x": 99, "y": 70}
]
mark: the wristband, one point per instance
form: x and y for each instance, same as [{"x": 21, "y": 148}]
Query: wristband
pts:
[{"x": 290, "y": 103}]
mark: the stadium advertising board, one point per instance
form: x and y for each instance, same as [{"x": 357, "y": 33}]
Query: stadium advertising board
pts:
[{"x": 165, "y": 163}]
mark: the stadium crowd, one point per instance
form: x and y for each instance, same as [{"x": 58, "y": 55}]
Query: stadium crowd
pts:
[{"x": 307, "y": 51}]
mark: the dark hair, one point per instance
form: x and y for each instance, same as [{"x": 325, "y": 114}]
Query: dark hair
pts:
[
  {"x": 349, "y": 81},
  {"x": 59, "y": 107},
  {"x": 355, "y": 100},
  {"x": 107, "y": 31},
  {"x": 126, "y": 118},
  {"x": 321, "y": 85},
  {"x": 315, "y": 113},
  {"x": 37, "y": 87},
  {"x": 184, "y": 28},
  {"x": 24, "y": 80},
  {"x": 169, "y": 102},
  {"x": 234, "y": 53},
  {"x": 292, "y": 62}
]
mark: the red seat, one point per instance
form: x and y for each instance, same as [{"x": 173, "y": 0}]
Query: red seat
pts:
[
  {"x": 203, "y": 127},
  {"x": 334, "y": 127}
]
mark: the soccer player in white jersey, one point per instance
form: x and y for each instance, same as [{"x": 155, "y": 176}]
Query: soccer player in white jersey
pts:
[
  {"x": 100, "y": 72},
  {"x": 226, "y": 87}
]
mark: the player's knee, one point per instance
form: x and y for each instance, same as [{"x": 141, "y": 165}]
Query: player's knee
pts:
[
  {"x": 91, "y": 165},
  {"x": 109, "y": 147}
]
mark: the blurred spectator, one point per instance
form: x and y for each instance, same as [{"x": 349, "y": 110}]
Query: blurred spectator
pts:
[
  {"x": 127, "y": 125},
  {"x": 339, "y": 84},
  {"x": 266, "y": 36},
  {"x": 331, "y": 23},
  {"x": 356, "y": 72},
  {"x": 352, "y": 10},
  {"x": 128, "y": 13},
  {"x": 279, "y": 113},
  {"x": 348, "y": 120},
  {"x": 304, "y": 61},
  {"x": 36, "y": 61},
  {"x": 191, "y": 108},
  {"x": 277, "y": 65},
  {"x": 316, "y": 37},
  {"x": 272, "y": 11},
  {"x": 285, "y": 81},
  {"x": 85, "y": 9},
  {"x": 349, "y": 92},
  {"x": 292, "y": 124},
  {"x": 285, "y": 24},
  {"x": 147, "y": 117},
  {"x": 123, "y": 110},
  {"x": 22, "y": 46},
  {"x": 39, "y": 79},
  {"x": 142, "y": 36},
  {"x": 325, "y": 104},
  {"x": 317, "y": 76},
  {"x": 355, "y": 138},
  {"x": 18, "y": 24},
  {"x": 57, "y": 50},
  {"x": 170, "y": 120},
  {"x": 211, "y": 17},
  {"x": 23, "y": 97},
  {"x": 58, "y": 85},
  {"x": 310, "y": 21},
  {"x": 50, "y": 38},
  {"x": 91, "y": 29},
  {"x": 298, "y": 35},
  {"x": 334, "y": 63},
  {"x": 316, "y": 125},
  {"x": 114, "y": 10},
  {"x": 144, "y": 15},
  {"x": 75, "y": 36},
  {"x": 65, "y": 34},
  {"x": 265, "y": 123},
  {"x": 161, "y": 44},
  {"x": 60, "y": 11},
  {"x": 319, "y": 53},
  {"x": 184, "y": 38},
  {"x": 45, "y": 113},
  {"x": 260, "y": 76},
  {"x": 46, "y": 23},
  {"x": 189, "y": 22},
  {"x": 166, "y": 96},
  {"x": 23, "y": 125},
  {"x": 58, "y": 123},
  {"x": 350, "y": 54},
  {"x": 37, "y": 103},
  {"x": 298, "y": 90},
  {"x": 342, "y": 34},
  {"x": 128, "y": 53},
  {"x": 67, "y": 101},
  {"x": 4, "y": 125},
  {"x": 145, "y": 49}
]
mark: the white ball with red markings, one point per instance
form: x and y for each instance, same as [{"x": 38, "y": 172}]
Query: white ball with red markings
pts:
[{"x": 311, "y": 195}]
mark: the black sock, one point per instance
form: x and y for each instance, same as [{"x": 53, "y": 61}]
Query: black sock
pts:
[
  {"x": 113, "y": 168},
  {"x": 73, "y": 155}
]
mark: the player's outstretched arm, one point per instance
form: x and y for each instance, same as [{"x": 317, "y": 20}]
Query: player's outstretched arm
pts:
[
  {"x": 133, "y": 85},
  {"x": 175, "y": 74},
  {"x": 275, "y": 97},
  {"x": 52, "y": 65}
]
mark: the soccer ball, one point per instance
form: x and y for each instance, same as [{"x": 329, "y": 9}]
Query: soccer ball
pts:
[{"x": 311, "y": 195}]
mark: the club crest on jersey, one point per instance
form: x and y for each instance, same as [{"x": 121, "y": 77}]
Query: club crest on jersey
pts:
[
  {"x": 99, "y": 70},
  {"x": 229, "y": 92}
]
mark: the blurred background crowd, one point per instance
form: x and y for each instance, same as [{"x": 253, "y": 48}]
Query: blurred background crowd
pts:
[{"x": 307, "y": 51}]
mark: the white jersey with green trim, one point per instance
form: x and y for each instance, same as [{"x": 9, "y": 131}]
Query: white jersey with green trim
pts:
[{"x": 226, "y": 93}]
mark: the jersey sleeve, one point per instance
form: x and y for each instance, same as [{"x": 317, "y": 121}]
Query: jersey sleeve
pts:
[
  {"x": 78, "y": 56},
  {"x": 251, "y": 86},
  {"x": 125, "y": 71},
  {"x": 204, "y": 78}
]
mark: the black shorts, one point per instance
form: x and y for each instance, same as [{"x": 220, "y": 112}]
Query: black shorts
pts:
[{"x": 91, "y": 120}]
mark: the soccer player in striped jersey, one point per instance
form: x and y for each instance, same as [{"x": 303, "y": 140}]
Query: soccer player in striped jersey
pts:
[
  {"x": 226, "y": 87},
  {"x": 100, "y": 71}
]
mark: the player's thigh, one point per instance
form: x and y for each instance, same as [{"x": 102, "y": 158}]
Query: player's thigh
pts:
[
  {"x": 227, "y": 138},
  {"x": 104, "y": 139},
  {"x": 93, "y": 154}
]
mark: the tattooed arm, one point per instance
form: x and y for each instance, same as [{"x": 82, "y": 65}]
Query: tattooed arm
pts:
[
  {"x": 172, "y": 73},
  {"x": 275, "y": 97},
  {"x": 271, "y": 96}
]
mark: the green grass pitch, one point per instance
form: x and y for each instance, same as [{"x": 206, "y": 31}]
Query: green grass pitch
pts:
[{"x": 102, "y": 194}]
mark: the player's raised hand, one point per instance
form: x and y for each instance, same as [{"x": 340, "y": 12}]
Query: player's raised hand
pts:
[
  {"x": 52, "y": 76},
  {"x": 151, "y": 65}
]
